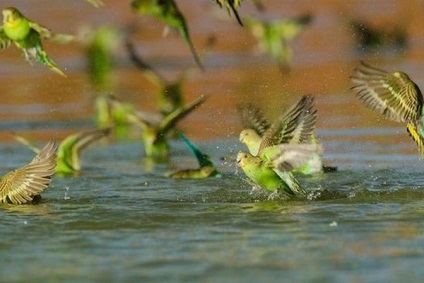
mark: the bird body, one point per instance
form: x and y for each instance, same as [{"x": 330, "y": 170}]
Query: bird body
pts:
[
  {"x": 26, "y": 35},
  {"x": 256, "y": 169},
  {"x": 155, "y": 134},
  {"x": 272, "y": 171}
]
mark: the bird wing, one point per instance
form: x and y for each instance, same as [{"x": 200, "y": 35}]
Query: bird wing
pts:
[
  {"x": 45, "y": 33},
  {"x": 21, "y": 185},
  {"x": 304, "y": 124},
  {"x": 129, "y": 113},
  {"x": 70, "y": 148},
  {"x": 253, "y": 118},
  {"x": 202, "y": 159},
  {"x": 393, "y": 95},
  {"x": 41, "y": 30},
  {"x": 174, "y": 117},
  {"x": 150, "y": 72},
  {"x": 26, "y": 142},
  {"x": 294, "y": 155},
  {"x": 295, "y": 125}
]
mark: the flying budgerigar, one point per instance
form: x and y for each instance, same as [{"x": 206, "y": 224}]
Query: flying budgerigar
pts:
[
  {"x": 25, "y": 184},
  {"x": 206, "y": 168},
  {"x": 168, "y": 12},
  {"x": 27, "y": 35},
  {"x": 274, "y": 36},
  {"x": 155, "y": 133},
  {"x": 70, "y": 149},
  {"x": 394, "y": 95}
]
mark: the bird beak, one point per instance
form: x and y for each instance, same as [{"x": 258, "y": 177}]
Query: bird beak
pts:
[{"x": 239, "y": 158}]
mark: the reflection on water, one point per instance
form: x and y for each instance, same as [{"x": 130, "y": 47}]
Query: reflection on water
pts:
[{"x": 122, "y": 221}]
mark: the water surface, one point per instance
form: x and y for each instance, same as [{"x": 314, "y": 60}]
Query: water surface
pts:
[{"x": 121, "y": 220}]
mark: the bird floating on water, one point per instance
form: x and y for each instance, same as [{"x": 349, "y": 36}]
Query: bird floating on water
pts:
[{"x": 206, "y": 168}]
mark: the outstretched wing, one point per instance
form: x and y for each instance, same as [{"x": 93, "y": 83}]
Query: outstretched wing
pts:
[
  {"x": 292, "y": 156},
  {"x": 70, "y": 148},
  {"x": 174, "y": 117},
  {"x": 393, "y": 95},
  {"x": 253, "y": 118},
  {"x": 294, "y": 126},
  {"x": 21, "y": 185}
]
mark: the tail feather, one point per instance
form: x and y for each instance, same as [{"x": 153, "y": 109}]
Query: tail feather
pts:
[{"x": 416, "y": 137}]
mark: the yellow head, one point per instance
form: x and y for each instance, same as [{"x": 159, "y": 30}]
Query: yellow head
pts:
[
  {"x": 251, "y": 139},
  {"x": 11, "y": 16},
  {"x": 244, "y": 158}
]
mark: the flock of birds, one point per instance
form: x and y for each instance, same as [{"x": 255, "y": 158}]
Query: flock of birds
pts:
[{"x": 276, "y": 151}]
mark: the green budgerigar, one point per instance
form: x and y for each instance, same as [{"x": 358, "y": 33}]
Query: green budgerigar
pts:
[
  {"x": 170, "y": 14},
  {"x": 70, "y": 149},
  {"x": 394, "y": 95},
  {"x": 294, "y": 126},
  {"x": 206, "y": 168},
  {"x": 27, "y": 35},
  {"x": 155, "y": 133},
  {"x": 274, "y": 174},
  {"x": 25, "y": 184},
  {"x": 112, "y": 113},
  {"x": 274, "y": 36},
  {"x": 266, "y": 141},
  {"x": 101, "y": 45}
]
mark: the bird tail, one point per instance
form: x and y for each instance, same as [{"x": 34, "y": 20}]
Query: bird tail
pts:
[
  {"x": 46, "y": 60},
  {"x": 293, "y": 186},
  {"x": 416, "y": 137}
]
